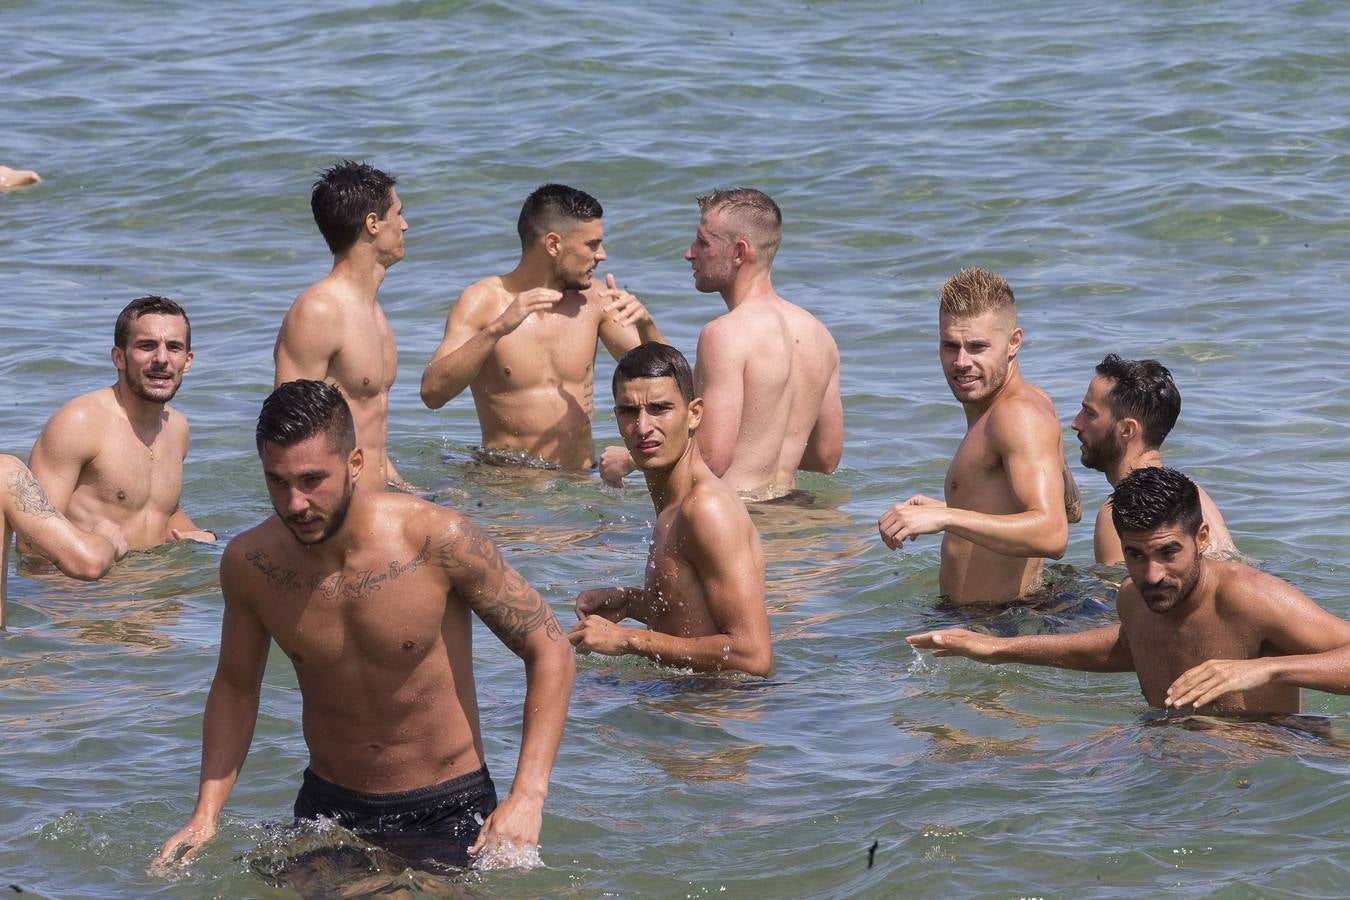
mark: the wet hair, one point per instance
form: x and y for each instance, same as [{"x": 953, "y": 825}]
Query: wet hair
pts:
[
  {"x": 974, "y": 292},
  {"x": 342, "y": 198},
  {"x": 552, "y": 207},
  {"x": 298, "y": 410},
  {"x": 752, "y": 214},
  {"x": 655, "y": 360},
  {"x": 1143, "y": 390},
  {"x": 143, "y": 306},
  {"x": 1154, "y": 496}
]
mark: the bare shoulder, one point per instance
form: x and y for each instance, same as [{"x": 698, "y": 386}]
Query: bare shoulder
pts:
[
  {"x": 811, "y": 327},
  {"x": 1244, "y": 592},
  {"x": 730, "y": 334},
  {"x": 1028, "y": 413},
  {"x": 321, "y": 300},
  {"x": 81, "y": 420},
  {"x": 714, "y": 514},
  {"x": 249, "y": 556}
]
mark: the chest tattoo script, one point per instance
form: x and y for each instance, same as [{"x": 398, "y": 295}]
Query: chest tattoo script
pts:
[{"x": 339, "y": 585}]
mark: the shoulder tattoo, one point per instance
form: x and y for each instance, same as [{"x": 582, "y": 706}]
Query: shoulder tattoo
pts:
[{"x": 496, "y": 592}]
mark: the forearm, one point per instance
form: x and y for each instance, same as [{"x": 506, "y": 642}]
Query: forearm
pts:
[
  {"x": 1329, "y": 671},
  {"x": 1086, "y": 651},
  {"x": 227, "y": 732},
  {"x": 447, "y": 377},
  {"x": 548, "y": 687},
  {"x": 1030, "y": 534},
  {"x": 88, "y": 559},
  {"x": 649, "y": 333},
  {"x": 709, "y": 653}
]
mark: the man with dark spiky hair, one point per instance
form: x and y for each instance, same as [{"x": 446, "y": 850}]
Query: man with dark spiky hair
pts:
[
  {"x": 524, "y": 343},
  {"x": 336, "y": 331},
  {"x": 1008, "y": 497},
  {"x": 703, "y": 600},
  {"x": 1128, "y": 410},
  {"x": 117, "y": 453},
  {"x": 1196, "y": 631},
  {"x": 370, "y": 595}
]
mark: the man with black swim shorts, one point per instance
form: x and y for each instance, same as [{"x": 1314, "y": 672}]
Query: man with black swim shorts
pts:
[{"x": 370, "y": 595}]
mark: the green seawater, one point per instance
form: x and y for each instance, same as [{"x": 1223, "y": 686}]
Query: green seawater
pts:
[{"x": 1155, "y": 179}]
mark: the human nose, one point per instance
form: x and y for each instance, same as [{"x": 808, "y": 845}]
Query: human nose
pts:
[
  {"x": 600, "y": 254},
  {"x": 645, "y": 422},
  {"x": 689, "y": 253},
  {"x": 1156, "y": 573},
  {"x": 1076, "y": 423},
  {"x": 962, "y": 359}
]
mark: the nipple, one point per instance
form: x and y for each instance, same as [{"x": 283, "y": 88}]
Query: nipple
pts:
[
  {"x": 121, "y": 495},
  {"x": 508, "y": 371},
  {"x": 365, "y": 382},
  {"x": 409, "y": 645}
]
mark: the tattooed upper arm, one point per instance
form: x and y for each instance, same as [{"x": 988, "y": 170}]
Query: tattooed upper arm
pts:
[
  {"x": 494, "y": 591},
  {"x": 28, "y": 496}
]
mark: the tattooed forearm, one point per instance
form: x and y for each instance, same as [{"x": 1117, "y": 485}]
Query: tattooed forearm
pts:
[
  {"x": 29, "y": 497},
  {"x": 496, "y": 592}
]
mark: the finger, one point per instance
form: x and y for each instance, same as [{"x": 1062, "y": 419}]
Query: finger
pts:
[
  {"x": 176, "y": 534},
  {"x": 609, "y": 281}
]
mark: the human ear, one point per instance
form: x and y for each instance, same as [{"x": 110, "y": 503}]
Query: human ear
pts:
[{"x": 695, "y": 413}]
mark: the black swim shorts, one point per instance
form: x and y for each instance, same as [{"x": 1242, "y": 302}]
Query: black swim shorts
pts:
[{"x": 436, "y": 823}]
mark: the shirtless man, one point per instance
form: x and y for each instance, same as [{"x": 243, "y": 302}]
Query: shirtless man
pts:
[
  {"x": 524, "y": 343},
  {"x": 703, "y": 600},
  {"x": 1005, "y": 503},
  {"x": 117, "y": 453},
  {"x": 1129, "y": 408},
  {"x": 370, "y": 595},
  {"x": 1196, "y": 631},
  {"x": 335, "y": 330},
  {"x": 25, "y": 509},
  {"x": 768, "y": 370}
]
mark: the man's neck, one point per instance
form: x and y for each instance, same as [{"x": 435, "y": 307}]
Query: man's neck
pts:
[
  {"x": 1010, "y": 385},
  {"x": 750, "y": 287},
  {"x": 361, "y": 272},
  {"x": 533, "y": 271},
  {"x": 670, "y": 486},
  {"x": 1131, "y": 460},
  {"x": 144, "y": 415}
]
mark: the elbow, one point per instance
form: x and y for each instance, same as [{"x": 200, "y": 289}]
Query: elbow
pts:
[
  {"x": 757, "y": 662},
  {"x": 431, "y": 398},
  {"x": 1057, "y": 544},
  {"x": 88, "y": 564}
]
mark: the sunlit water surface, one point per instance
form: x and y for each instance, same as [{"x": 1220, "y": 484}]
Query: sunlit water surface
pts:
[{"x": 1155, "y": 179}]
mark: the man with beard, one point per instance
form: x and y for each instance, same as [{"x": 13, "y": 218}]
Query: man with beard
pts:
[
  {"x": 1128, "y": 410},
  {"x": 703, "y": 600},
  {"x": 25, "y": 509},
  {"x": 335, "y": 330},
  {"x": 370, "y": 595},
  {"x": 117, "y": 453},
  {"x": 525, "y": 342},
  {"x": 767, "y": 369},
  {"x": 1196, "y": 631},
  {"x": 1005, "y": 506}
]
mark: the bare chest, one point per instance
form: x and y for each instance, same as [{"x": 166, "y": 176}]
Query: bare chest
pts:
[
  {"x": 975, "y": 478},
  {"x": 678, "y": 605},
  {"x": 367, "y": 364},
  {"x": 132, "y": 475},
  {"x": 383, "y": 611},
  {"x": 1163, "y": 652},
  {"x": 548, "y": 348}
]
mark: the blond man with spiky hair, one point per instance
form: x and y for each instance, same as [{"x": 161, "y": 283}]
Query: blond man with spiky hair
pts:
[
  {"x": 767, "y": 370},
  {"x": 1005, "y": 490}
]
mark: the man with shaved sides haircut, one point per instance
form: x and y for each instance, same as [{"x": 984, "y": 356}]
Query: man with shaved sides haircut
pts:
[
  {"x": 1198, "y": 632},
  {"x": 703, "y": 599},
  {"x": 370, "y": 595},
  {"x": 117, "y": 453},
  {"x": 1005, "y": 491},
  {"x": 336, "y": 331},
  {"x": 767, "y": 370},
  {"x": 524, "y": 343},
  {"x": 1128, "y": 410}
]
